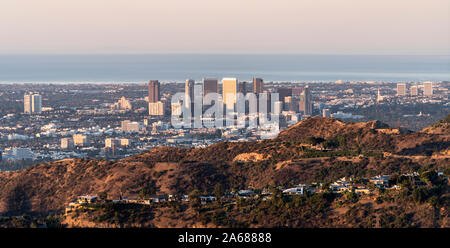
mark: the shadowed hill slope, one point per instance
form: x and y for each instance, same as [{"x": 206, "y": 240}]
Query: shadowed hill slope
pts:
[{"x": 289, "y": 159}]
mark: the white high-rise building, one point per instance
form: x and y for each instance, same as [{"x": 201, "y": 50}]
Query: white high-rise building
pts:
[
  {"x": 27, "y": 104},
  {"x": 32, "y": 103},
  {"x": 380, "y": 98},
  {"x": 36, "y": 103},
  {"x": 401, "y": 89},
  {"x": 156, "y": 108},
  {"x": 229, "y": 92},
  {"x": 189, "y": 92},
  {"x": 427, "y": 88},
  {"x": 305, "y": 104},
  {"x": 414, "y": 91}
]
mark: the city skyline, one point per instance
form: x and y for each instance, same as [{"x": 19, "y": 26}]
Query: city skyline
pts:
[{"x": 232, "y": 115}]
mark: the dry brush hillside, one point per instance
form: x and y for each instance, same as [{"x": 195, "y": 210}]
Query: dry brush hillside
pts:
[{"x": 49, "y": 187}]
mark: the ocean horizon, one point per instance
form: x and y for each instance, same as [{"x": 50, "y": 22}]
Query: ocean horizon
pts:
[{"x": 135, "y": 68}]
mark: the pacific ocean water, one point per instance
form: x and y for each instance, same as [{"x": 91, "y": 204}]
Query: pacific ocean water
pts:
[{"x": 178, "y": 67}]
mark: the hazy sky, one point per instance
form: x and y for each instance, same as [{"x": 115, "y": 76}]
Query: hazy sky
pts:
[{"x": 225, "y": 26}]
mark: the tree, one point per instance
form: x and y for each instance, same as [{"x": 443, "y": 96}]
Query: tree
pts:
[
  {"x": 351, "y": 196},
  {"x": 194, "y": 199},
  {"x": 419, "y": 195},
  {"x": 103, "y": 196},
  {"x": 430, "y": 177},
  {"x": 144, "y": 193},
  {"x": 341, "y": 141},
  {"x": 219, "y": 191}
]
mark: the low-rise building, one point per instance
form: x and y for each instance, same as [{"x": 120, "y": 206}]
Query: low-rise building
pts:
[
  {"x": 205, "y": 199},
  {"x": 67, "y": 143},
  {"x": 298, "y": 190},
  {"x": 87, "y": 199},
  {"x": 380, "y": 181},
  {"x": 80, "y": 140}
]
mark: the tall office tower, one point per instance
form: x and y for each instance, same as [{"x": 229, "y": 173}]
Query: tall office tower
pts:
[
  {"x": 258, "y": 85},
  {"x": 242, "y": 88},
  {"x": 27, "y": 104},
  {"x": 290, "y": 104},
  {"x": 306, "y": 101},
  {"x": 210, "y": 86},
  {"x": 189, "y": 91},
  {"x": 427, "y": 88},
  {"x": 229, "y": 91},
  {"x": 153, "y": 91},
  {"x": 284, "y": 92},
  {"x": 297, "y": 91},
  {"x": 414, "y": 91},
  {"x": 401, "y": 89},
  {"x": 269, "y": 106},
  {"x": 380, "y": 98},
  {"x": 326, "y": 113},
  {"x": 36, "y": 103},
  {"x": 287, "y": 103},
  {"x": 32, "y": 103}
]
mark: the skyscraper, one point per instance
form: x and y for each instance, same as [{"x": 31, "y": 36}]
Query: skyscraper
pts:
[
  {"x": 401, "y": 89},
  {"x": 189, "y": 91},
  {"x": 209, "y": 86},
  {"x": 258, "y": 85},
  {"x": 153, "y": 91},
  {"x": 27, "y": 104},
  {"x": 36, "y": 103},
  {"x": 290, "y": 104},
  {"x": 297, "y": 91},
  {"x": 427, "y": 88},
  {"x": 242, "y": 87},
  {"x": 32, "y": 103},
  {"x": 306, "y": 101},
  {"x": 414, "y": 91},
  {"x": 229, "y": 91},
  {"x": 380, "y": 98},
  {"x": 284, "y": 92}
]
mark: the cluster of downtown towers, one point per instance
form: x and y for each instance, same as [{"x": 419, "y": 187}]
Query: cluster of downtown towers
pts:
[
  {"x": 296, "y": 100},
  {"x": 291, "y": 99}
]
